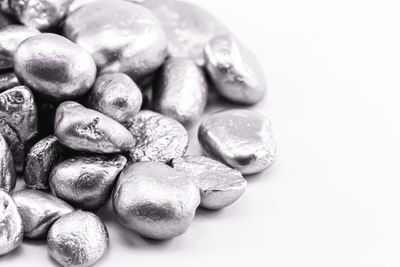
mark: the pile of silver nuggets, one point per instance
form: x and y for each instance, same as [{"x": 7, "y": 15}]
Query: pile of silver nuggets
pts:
[{"x": 96, "y": 100}]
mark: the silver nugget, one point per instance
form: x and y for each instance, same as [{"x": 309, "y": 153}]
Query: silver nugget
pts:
[
  {"x": 18, "y": 109},
  {"x": 86, "y": 182},
  {"x": 54, "y": 66},
  {"x": 39, "y": 211},
  {"x": 8, "y": 80},
  {"x": 180, "y": 91},
  {"x": 11, "y": 37},
  {"x": 155, "y": 200},
  {"x": 14, "y": 144},
  {"x": 40, "y": 160},
  {"x": 88, "y": 130},
  {"x": 8, "y": 178},
  {"x": 121, "y": 37},
  {"x": 117, "y": 96},
  {"x": 240, "y": 138},
  {"x": 11, "y": 229},
  {"x": 40, "y": 14},
  {"x": 219, "y": 185},
  {"x": 157, "y": 138},
  {"x": 78, "y": 239},
  {"x": 188, "y": 27},
  {"x": 235, "y": 72}
]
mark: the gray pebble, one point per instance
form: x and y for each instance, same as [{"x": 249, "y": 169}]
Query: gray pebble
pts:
[
  {"x": 84, "y": 129},
  {"x": 86, "y": 182},
  {"x": 154, "y": 200},
  {"x": 54, "y": 66},
  {"x": 39, "y": 211},
  {"x": 8, "y": 178},
  {"x": 180, "y": 91},
  {"x": 240, "y": 138},
  {"x": 219, "y": 185},
  {"x": 14, "y": 144}
]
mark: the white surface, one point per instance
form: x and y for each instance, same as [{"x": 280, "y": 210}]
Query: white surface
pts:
[{"x": 332, "y": 199}]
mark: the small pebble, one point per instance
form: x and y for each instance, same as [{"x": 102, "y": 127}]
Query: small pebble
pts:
[
  {"x": 8, "y": 80},
  {"x": 78, "y": 239},
  {"x": 39, "y": 211},
  {"x": 219, "y": 185},
  {"x": 154, "y": 200},
  {"x": 86, "y": 182},
  {"x": 240, "y": 138},
  {"x": 8, "y": 178},
  {"x": 14, "y": 144}
]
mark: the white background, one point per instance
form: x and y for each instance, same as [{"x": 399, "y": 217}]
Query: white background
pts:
[{"x": 333, "y": 197}]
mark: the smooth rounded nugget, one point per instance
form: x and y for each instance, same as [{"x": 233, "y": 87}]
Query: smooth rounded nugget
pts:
[
  {"x": 14, "y": 144},
  {"x": 240, "y": 138},
  {"x": 11, "y": 229},
  {"x": 39, "y": 211},
  {"x": 180, "y": 91},
  {"x": 78, "y": 239},
  {"x": 157, "y": 138},
  {"x": 235, "y": 72},
  {"x": 188, "y": 27},
  {"x": 40, "y": 160},
  {"x": 10, "y": 38},
  {"x": 117, "y": 96},
  {"x": 40, "y": 14},
  {"x": 88, "y": 130},
  {"x": 8, "y": 178},
  {"x": 86, "y": 182},
  {"x": 219, "y": 185},
  {"x": 54, "y": 66},
  {"x": 155, "y": 200},
  {"x": 121, "y": 37}
]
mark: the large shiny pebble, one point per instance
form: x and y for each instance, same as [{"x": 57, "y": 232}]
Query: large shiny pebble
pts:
[
  {"x": 235, "y": 72},
  {"x": 117, "y": 96},
  {"x": 157, "y": 138},
  {"x": 54, "y": 66},
  {"x": 8, "y": 178},
  {"x": 188, "y": 27},
  {"x": 180, "y": 91},
  {"x": 78, "y": 239},
  {"x": 40, "y": 14},
  {"x": 8, "y": 80},
  {"x": 88, "y": 130},
  {"x": 10, "y": 38},
  {"x": 18, "y": 109},
  {"x": 240, "y": 138},
  {"x": 40, "y": 161},
  {"x": 86, "y": 182},
  {"x": 121, "y": 36},
  {"x": 39, "y": 211},
  {"x": 11, "y": 229},
  {"x": 219, "y": 185},
  {"x": 155, "y": 200},
  {"x": 14, "y": 144}
]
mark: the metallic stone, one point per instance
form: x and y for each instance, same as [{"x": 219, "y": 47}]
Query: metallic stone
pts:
[
  {"x": 117, "y": 96},
  {"x": 219, "y": 185},
  {"x": 86, "y": 182},
  {"x": 40, "y": 160},
  {"x": 235, "y": 72},
  {"x": 88, "y": 130},
  {"x": 155, "y": 200},
  {"x": 121, "y": 37},
  {"x": 11, "y": 37},
  {"x": 157, "y": 138},
  {"x": 14, "y": 144},
  {"x": 240, "y": 138},
  {"x": 39, "y": 211},
  {"x": 11, "y": 229},
  {"x": 8, "y": 178},
  {"x": 18, "y": 109},
  {"x": 180, "y": 91},
  {"x": 40, "y": 14},
  {"x": 8, "y": 80},
  {"x": 188, "y": 27},
  {"x": 78, "y": 239},
  {"x": 54, "y": 66}
]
